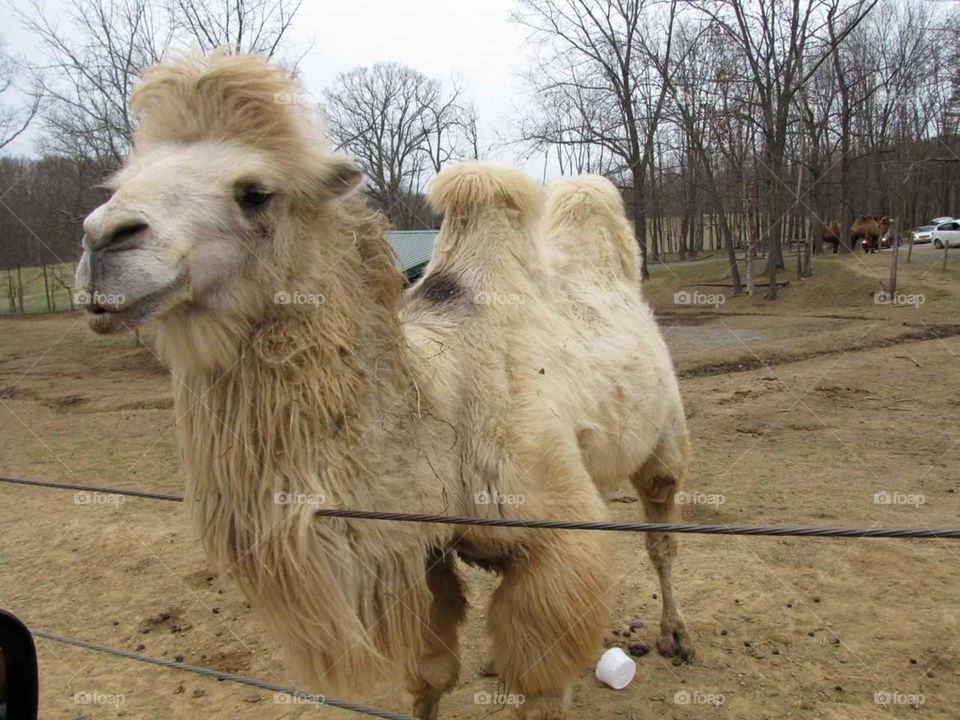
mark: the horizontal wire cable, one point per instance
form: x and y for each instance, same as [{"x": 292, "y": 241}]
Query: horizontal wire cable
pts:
[
  {"x": 93, "y": 489},
  {"x": 771, "y": 530},
  {"x": 777, "y": 530},
  {"x": 302, "y": 697}
]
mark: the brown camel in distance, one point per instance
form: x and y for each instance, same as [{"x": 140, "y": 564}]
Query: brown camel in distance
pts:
[
  {"x": 870, "y": 228},
  {"x": 830, "y": 233}
]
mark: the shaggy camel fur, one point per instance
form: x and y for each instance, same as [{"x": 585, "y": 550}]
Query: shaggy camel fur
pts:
[{"x": 522, "y": 377}]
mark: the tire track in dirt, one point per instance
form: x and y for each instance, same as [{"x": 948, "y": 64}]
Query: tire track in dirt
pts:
[{"x": 726, "y": 367}]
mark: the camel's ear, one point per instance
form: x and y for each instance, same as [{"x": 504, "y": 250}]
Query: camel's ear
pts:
[{"x": 339, "y": 176}]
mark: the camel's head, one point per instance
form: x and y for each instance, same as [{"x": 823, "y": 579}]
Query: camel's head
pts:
[{"x": 225, "y": 169}]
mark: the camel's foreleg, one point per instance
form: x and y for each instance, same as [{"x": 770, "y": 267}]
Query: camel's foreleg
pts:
[{"x": 547, "y": 620}]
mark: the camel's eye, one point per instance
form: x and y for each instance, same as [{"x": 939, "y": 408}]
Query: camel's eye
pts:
[{"x": 253, "y": 198}]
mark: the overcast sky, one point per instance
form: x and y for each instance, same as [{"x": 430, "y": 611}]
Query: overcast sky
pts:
[{"x": 470, "y": 38}]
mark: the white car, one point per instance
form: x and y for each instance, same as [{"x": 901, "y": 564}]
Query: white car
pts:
[
  {"x": 946, "y": 234},
  {"x": 923, "y": 234}
]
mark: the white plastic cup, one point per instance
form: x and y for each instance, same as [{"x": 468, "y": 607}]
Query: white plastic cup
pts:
[{"x": 616, "y": 668}]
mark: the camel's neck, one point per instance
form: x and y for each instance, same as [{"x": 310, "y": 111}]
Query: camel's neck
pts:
[
  {"x": 310, "y": 413},
  {"x": 291, "y": 402}
]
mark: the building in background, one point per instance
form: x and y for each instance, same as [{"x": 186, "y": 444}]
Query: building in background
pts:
[{"x": 413, "y": 248}]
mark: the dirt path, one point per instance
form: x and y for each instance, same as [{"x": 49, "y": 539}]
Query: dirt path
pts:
[{"x": 821, "y": 421}]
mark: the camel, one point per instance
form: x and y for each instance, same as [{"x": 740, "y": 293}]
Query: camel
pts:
[
  {"x": 869, "y": 228},
  {"x": 831, "y": 234},
  {"x": 523, "y": 376}
]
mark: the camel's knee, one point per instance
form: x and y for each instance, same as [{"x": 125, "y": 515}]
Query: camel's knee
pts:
[
  {"x": 660, "y": 489},
  {"x": 661, "y": 477}
]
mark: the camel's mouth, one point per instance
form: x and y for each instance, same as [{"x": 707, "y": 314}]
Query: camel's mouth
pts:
[{"x": 110, "y": 317}]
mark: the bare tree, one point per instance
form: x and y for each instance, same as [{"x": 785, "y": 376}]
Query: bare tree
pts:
[
  {"x": 401, "y": 126},
  {"x": 561, "y": 124},
  {"x": 90, "y": 71},
  {"x": 784, "y": 44},
  {"x": 701, "y": 87},
  {"x": 91, "y": 68},
  {"x": 592, "y": 67},
  {"x": 14, "y": 120},
  {"x": 251, "y": 26}
]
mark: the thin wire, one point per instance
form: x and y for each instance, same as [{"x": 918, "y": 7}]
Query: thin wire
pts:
[
  {"x": 302, "y": 697},
  {"x": 777, "y": 530},
  {"x": 93, "y": 489},
  {"x": 774, "y": 530}
]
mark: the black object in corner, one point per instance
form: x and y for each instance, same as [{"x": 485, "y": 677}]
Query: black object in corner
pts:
[{"x": 19, "y": 682}]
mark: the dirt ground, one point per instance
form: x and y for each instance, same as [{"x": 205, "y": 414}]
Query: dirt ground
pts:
[{"x": 823, "y": 408}]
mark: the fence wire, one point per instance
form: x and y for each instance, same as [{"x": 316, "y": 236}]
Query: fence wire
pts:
[
  {"x": 306, "y": 698},
  {"x": 290, "y": 694},
  {"x": 693, "y": 528}
]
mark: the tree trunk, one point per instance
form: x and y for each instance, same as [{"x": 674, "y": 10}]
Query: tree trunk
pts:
[
  {"x": 795, "y": 234},
  {"x": 11, "y": 295},
  {"x": 894, "y": 256},
  {"x": 20, "y": 286},
  {"x": 776, "y": 210},
  {"x": 640, "y": 219},
  {"x": 70, "y": 289},
  {"x": 46, "y": 287},
  {"x": 682, "y": 249},
  {"x": 727, "y": 232}
]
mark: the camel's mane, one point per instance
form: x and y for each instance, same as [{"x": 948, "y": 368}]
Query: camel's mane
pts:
[{"x": 223, "y": 97}]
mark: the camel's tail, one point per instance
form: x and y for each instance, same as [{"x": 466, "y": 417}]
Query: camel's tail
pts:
[
  {"x": 584, "y": 218},
  {"x": 464, "y": 189}
]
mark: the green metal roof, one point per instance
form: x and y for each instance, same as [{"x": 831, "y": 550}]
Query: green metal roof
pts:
[{"x": 413, "y": 248}]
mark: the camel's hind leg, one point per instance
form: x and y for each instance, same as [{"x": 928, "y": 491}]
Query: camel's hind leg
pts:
[
  {"x": 657, "y": 483},
  {"x": 547, "y": 619},
  {"x": 439, "y": 665}
]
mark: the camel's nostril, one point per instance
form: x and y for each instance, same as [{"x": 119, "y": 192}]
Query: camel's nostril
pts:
[{"x": 125, "y": 232}]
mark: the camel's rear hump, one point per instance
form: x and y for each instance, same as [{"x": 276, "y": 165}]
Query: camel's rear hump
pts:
[{"x": 584, "y": 218}]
